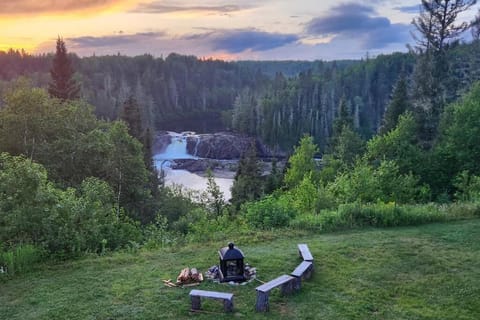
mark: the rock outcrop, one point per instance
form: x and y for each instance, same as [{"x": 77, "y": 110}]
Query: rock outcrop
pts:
[{"x": 226, "y": 146}]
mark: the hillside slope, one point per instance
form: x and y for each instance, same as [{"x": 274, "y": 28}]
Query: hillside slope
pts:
[{"x": 427, "y": 272}]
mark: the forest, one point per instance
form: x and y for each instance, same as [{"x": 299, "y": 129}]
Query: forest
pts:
[{"x": 384, "y": 141}]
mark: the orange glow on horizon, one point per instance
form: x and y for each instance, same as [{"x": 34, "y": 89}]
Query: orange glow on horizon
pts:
[
  {"x": 59, "y": 13},
  {"x": 221, "y": 56}
]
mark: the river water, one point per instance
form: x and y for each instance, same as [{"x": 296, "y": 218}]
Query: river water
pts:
[{"x": 177, "y": 149}]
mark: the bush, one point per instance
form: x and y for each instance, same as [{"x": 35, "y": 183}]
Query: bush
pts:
[{"x": 270, "y": 212}]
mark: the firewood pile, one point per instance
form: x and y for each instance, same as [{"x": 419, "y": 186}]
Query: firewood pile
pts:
[{"x": 189, "y": 276}]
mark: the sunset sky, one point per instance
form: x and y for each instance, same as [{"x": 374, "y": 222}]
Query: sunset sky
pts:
[{"x": 247, "y": 29}]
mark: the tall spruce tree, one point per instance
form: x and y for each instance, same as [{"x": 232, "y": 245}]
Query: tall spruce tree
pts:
[
  {"x": 438, "y": 28},
  {"x": 63, "y": 86},
  {"x": 132, "y": 116},
  {"x": 247, "y": 185},
  {"x": 397, "y": 106}
]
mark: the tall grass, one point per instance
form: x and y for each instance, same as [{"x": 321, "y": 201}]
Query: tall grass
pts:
[
  {"x": 19, "y": 260},
  {"x": 354, "y": 215}
]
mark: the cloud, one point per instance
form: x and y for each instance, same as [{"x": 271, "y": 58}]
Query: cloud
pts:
[
  {"x": 239, "y": 40},
  {"x": 22, "y": 7},
  {"x": 114, "y": 40},
  {"x": 161, "y": 7},
  {"x": 360, "y": 23},
  {"x": 409, "y": 9}
]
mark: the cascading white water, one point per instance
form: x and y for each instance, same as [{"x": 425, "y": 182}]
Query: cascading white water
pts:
[{"x": 177, "y": 149}]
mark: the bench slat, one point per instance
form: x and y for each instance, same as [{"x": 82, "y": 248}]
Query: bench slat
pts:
[
  {"x": 211, "y": 294},
  {"x": 274, "y": 283},
  {"x": 302, "y": 267},
  {"x": 305, "y": 252}
]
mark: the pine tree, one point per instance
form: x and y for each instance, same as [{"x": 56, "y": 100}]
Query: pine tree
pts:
[
  {"x": 438, "y": 29},
  {"x": 132, "y": 116},
  {"x": 247, "y": 185},
  {"x": 397, "y": 106},
  {"x": 215, "y": 198},
  {"x": 63, "y": 86},
  {"x": 476, "y": 27}
]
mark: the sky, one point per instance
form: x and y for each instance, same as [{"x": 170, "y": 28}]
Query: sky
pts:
[{"x": 223, "y": 29}]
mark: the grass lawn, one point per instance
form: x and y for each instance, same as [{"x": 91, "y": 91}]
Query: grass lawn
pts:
[{"x": 427, "y": 272}]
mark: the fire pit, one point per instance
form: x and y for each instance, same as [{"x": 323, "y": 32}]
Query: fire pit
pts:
[{"x": 232, "y": 267}]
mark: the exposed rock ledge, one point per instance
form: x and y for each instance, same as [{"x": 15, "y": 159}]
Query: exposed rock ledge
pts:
[{"x": 226, "y": 145}]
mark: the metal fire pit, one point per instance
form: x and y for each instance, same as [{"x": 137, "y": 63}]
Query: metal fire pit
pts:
[{"x": 232, "y": 267}]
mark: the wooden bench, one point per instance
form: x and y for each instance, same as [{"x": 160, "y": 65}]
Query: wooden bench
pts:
[
  {"x": 285, "y": 283},
  {"x": 302, "y": 272},
  {"x": 227, "y": 298},
  {"x": 305, "y": 253}
]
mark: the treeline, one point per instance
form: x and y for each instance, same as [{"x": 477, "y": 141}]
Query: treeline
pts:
[{"x": 277, "y": 101}]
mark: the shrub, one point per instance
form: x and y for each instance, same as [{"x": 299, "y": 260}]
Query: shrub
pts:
[{"x": 270, "y": 212}]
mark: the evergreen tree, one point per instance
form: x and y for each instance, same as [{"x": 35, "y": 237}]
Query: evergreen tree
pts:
[
  {"x": 132, "y": 116},
  {"x": 437, "y": 23},
  {"x": 476, "y": 27},
  {"x": 215, "y": 201},
  {"x": 343, "y": 119},
  {"x": 348, "y": 146},
  {"x": 397, "y": 106},
  {"x": 63, "y": 86},
  {"x": 247, "y": 185},
  {"x": 438, "y": 29}
]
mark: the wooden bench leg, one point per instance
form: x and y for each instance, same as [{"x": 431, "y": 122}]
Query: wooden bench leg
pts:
[
  {"x": 287, "y": 288},
  {"x": 297, "y": 283},
  {"x": 308, "y": 273},
  {"x": 262, "y": 301},
  {"x": 228, "y": 305},
  {"x": 195, "y": 302}
]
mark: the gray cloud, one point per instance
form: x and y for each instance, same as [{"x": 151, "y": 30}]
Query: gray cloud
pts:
[
  {"x": 358, "y": 22},
  {"x": 37, "y": 6},
  {"x": 409, "y": 9},
  {"x": 239, "y": 40},
  {"x": 161, "y": 7},
  {"x": 114, "y": 40}
]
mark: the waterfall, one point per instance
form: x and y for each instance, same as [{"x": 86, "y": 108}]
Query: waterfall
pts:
[
  {"x": 177, "y": 149},
  {"x": 196, "y": 146}
]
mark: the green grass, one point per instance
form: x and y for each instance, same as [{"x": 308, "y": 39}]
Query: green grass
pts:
[{"x": 427, "y": 272}]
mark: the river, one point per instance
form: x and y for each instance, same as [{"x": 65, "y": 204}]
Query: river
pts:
[{"x": 177, "y": 149}]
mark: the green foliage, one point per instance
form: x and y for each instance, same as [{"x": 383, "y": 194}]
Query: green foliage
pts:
[
  {"x": 269, "y": 212},
  {"x": 397, "y": 106},
  {"x": 366, "y": 184},
  {"x": 302, "y": 162},
  {"x": 73, "y": 145},
  {"x": 467, "y": 186},
  {"x": 459, "y": 133},
  {"x": 381, "y": 214},
  {"x": 304, "y": 195},
  {"x": 215, "y": 200},
  {"x": 20, "y": 259},
  {"x": 399, "y": 145},
  {"x": 348, "y": 146},
  {"x": 64, "y": 222}
]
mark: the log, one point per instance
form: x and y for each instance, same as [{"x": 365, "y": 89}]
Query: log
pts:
[
  {"x": 194, "y": 275},
  {"x": 184, "y": 275}
]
